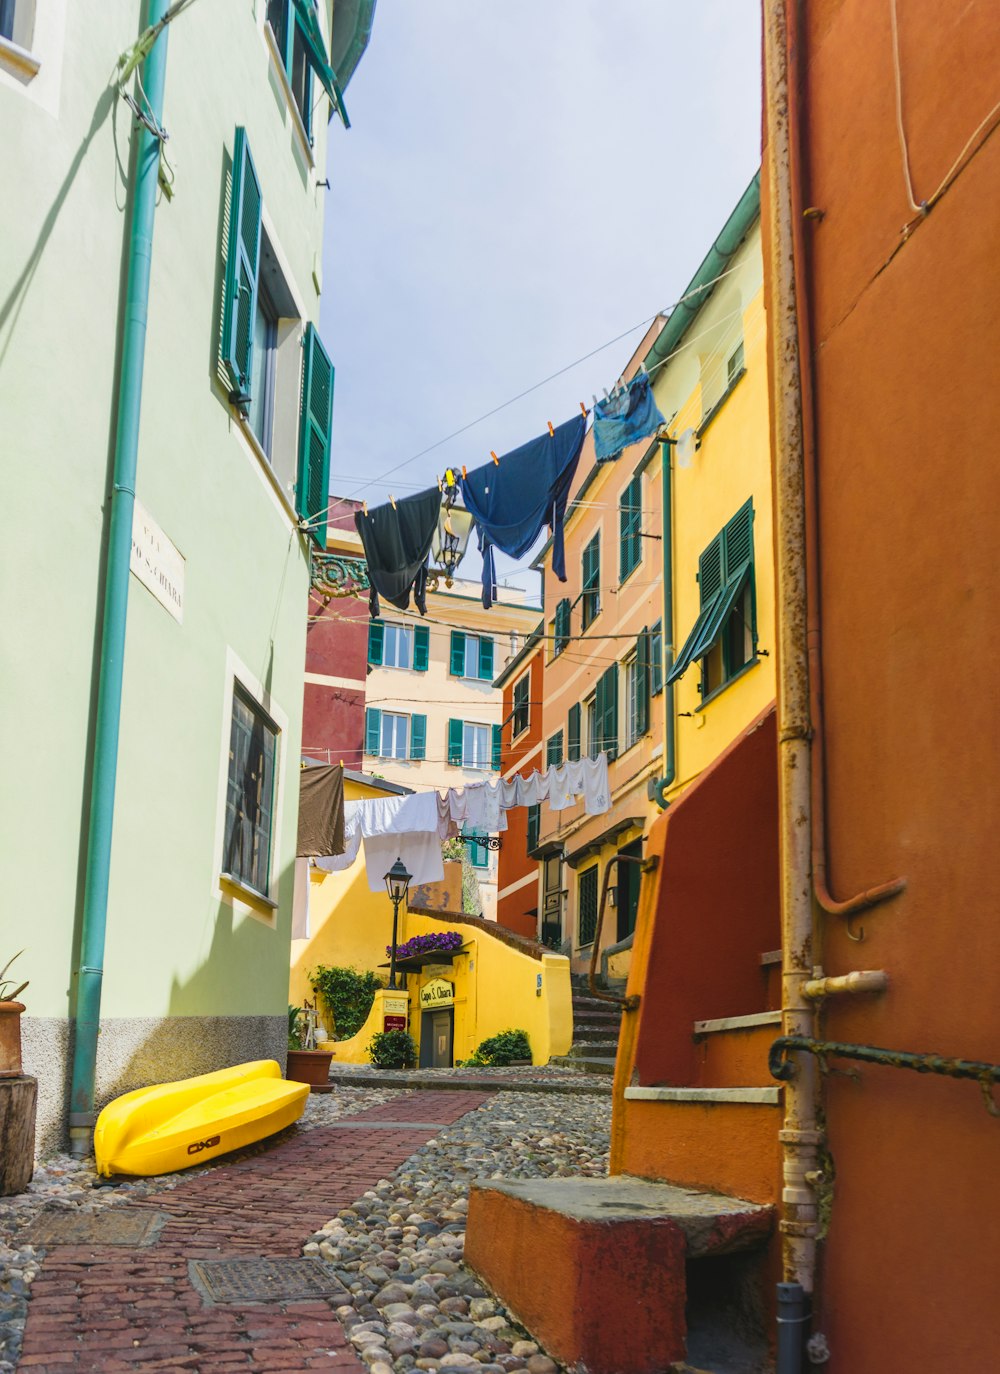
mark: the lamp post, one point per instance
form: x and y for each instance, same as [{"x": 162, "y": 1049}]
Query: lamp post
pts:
[{"x": 397, "y": 880}]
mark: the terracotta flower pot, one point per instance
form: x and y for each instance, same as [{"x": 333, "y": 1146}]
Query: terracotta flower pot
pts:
[
  {"x": 10, "y": 1039},
  {"x": 308, "y": 1066}
]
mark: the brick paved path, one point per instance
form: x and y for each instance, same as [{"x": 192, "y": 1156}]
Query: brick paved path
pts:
[{"x": 113, "y": 1308}]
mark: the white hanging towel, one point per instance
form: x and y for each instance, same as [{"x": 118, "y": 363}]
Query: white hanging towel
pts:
[{"x": 419, "y": 850}]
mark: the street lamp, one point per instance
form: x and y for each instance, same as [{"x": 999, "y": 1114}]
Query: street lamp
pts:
[{"x": 397, "y": 880}]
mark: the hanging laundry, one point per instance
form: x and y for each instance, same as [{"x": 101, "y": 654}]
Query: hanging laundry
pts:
[
  {"x": 479, "y": 807},
  {"x": 397, "y": 539},
  {"x": 419, "y": 851},
  {"x": 321, "y": 810},
  {"x": 624, "y": 418},
  {"x": 300, "y": 901},
  {"x": 511, "y": 500},
  {"x": 583, "y": 777}
]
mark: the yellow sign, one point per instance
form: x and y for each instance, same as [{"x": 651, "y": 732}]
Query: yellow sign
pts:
[
  {"x": 437, "y": 993},
  {"x": 394, "y": 1006}
]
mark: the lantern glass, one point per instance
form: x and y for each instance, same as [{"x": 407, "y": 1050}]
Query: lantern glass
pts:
[{"x": 397, "y": 881}]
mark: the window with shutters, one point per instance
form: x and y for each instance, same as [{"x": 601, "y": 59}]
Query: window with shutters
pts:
[
  {"x": 656, "y": 659},
  {"x": 590, "y": 595},
  {"x": 260, "y": 414},
  {"x": 395, "y": 736},
  {"x": 631, "y": 685},
  {"x": 573, "y": 741},
  {"x": 476, "y": 746},
  {"x": 253, "y": 743},
  {"x": 554, "y": 750},
  {"x": 723, "y": 639},
  {"x": 521, "y": 714},
  {"x": 477, "y": 850},
  {"x": 606, "y": 712},
  {"x": 560, "y": 627},
  {"x": 292, "y": 52},
  {"x": 587, "y": 907},
  {"x": 534, "y": 827},
  {"x": 630, "y": 528},
  {"x": 397, "y": 647},
  {"x": 593, "y": 743},
  {"x": 471, "y": 656}
]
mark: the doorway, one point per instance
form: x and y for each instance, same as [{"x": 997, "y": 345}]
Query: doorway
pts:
[
  {"x": 627, "y": 894},
  {"x": 437, "y": 1032}
]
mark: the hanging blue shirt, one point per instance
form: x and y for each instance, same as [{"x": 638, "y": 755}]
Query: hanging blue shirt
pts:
[
  {"x": 625, "y": 419},
  {"x": 510, "y": 502}
]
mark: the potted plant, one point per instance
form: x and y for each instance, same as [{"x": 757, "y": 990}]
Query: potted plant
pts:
[
  {"x": 305, "y": 1064},
  {"x": 10, "y": 1022},
  {"x": 393, "y": 1049}
]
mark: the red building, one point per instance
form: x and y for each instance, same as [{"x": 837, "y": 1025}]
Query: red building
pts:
[
  {"x": 521, "y": 751},
  {"x": 333, "y": 718}
]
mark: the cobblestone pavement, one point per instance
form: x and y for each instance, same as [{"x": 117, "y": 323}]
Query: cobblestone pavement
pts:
[
  {"x": 527, "y": 1078},
  {"x": 373, "y": 1180}
]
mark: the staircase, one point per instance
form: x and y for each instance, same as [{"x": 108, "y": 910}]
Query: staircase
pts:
[{"x": 596, "y": 1025}]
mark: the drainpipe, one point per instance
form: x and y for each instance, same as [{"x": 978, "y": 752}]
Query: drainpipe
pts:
[
  {"x": 800, "y": 1136},
  {"x": 109, "y": 690},
  {"x": 661, "y": 785}
]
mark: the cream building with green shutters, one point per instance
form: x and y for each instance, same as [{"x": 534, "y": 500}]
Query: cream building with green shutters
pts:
[
  {"x": 432, "y": 714},
  {"x": 234, "y": 437}
]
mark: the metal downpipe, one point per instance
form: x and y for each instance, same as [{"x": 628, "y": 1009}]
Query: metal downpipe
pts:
[
  {"x": 799, "y": 1136},
  {"x": 90, "y": 969},
  {"x": 669, "y": 713}
]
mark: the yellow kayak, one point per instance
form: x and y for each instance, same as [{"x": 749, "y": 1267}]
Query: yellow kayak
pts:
[{"x": 171, "y": 1126}]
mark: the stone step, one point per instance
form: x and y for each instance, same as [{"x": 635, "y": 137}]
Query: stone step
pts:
[
  {"x": 593, "y": 1006},
  {"x": 584, "y": 1048},
  {"x": 531, "y": 1238},
  {"x": 598, "y": 1064},
  {"x": 732, "y": 1051}
]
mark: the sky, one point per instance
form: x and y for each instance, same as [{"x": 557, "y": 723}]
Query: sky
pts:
[{"x": 523, "y": 181}]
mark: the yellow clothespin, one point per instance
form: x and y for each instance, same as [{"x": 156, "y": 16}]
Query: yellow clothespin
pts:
[
  {"x": 495, "y": 458},
  {"x": 552, "y": 433},
  {"x": 392, "y": 500},
  {"x": 584, "y": 409},
  {"x": 341, "y": 763}
]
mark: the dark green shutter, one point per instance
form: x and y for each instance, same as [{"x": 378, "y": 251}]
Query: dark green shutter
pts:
[
  {"x": 534, "y": 827},
  {"x": 319, "y": 58},
  {"x": 710, "y": 575},
  {"x": 737, "y": 540},
  {"x": 421, "y": 648},
  {"x": 418, "y": 737},
  {"x": 554, "y": 750},
  {"x": 573, "y": 734},
  {"x": 457, "y": 654},
  {"x": 455, "y": 730},
  {"x": 315, "y": 424},
  {"x": 591, "y": 580},
  {"x": 630, "y": 525},
  {"x": 561, "y": 626},
  {"x": 656, "y": 659},
  {"x": 607, "y": 709},
  {"x": 486, "y": 658},
  {"x": 642, "y": 682},
  {"x": 495, "y": 740},
  {"x": 587, "y": 902},
  {"x": 242, "y": 263},
  {"x": 376, "y": 642},
  {"x": 373, "y": 730}
]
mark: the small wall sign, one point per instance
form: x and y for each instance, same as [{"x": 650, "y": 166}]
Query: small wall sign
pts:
[
  {"x": 157, "y": 563},
  {"x": 437, "y": 993},
  {"x": 393, "y": 1023},
  {"x": 395, "y": 1006}
]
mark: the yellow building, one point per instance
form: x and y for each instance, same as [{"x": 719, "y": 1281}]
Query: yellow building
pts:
[{"x": 432, "y": 716}]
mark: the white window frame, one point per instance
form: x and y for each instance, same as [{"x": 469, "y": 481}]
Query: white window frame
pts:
[
  {"x": 400, "y": 724},
  {"x": 630, "y": 697},
  {"x": 469, "y": 755},
  {"x": 514, "y": 733},
  {"x": 402, "y": 637},
  {"x": 471, "y": 639}
]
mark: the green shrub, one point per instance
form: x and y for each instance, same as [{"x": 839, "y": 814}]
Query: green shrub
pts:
[
  {"x": 502, "y": 1049},
  {"x": 347, "y": 995},
  {"x": 393, "y": 1049},
  {"x": 294, "y": 1033}
]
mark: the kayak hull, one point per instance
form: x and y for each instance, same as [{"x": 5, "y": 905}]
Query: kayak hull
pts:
[{"x": 172, "y": 1126}]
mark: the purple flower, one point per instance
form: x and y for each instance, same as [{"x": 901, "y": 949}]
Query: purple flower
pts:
[{"x": 427, "y": 944}]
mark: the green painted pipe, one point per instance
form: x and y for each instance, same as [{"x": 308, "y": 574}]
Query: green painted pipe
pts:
[
  {"x": 670, "y": 725},
  {"x": 90, "y": 970}
]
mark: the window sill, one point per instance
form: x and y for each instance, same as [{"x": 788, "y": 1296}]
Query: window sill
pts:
[
  {"x": 18, "y": 61},
  {"x": 250, "y": 893},
  {"x": 720, "y": 402},
  {"x": 729, "y": 682},
  {"x": 624, "y": 577},
  {"x": 293, "y": 109}
]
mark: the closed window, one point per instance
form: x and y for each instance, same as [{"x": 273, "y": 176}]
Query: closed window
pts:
[
  {"x": 475, "y": 746},
  {"x": 560, "y": 627},
  {"x": 471, "y": 656},
  {"x": 395, "y": 737},
  {"x": 631, "y": 676},
  {"x": 521, "y": 712},
  {"x": 397, "y": 647},
  {"x": 554, "y": 750},
  {"x": 587, "y": 906},
  {"x": 591, "y": 581},
  {"x": 253, "y": 745}
]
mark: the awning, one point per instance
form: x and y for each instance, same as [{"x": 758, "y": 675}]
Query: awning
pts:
[
  {"x": 710, "y": 622},
  {"x": 308, "y": 21}
]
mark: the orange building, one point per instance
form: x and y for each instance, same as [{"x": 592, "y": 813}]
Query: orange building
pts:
[
  {"x": 883, "y": 178},
  {"x": 522, "y": 684}
]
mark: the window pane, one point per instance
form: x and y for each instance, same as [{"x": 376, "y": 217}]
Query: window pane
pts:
[
  {"x": 299, "y": 78},
  {"x": 593, "y": 744},
  {"x": 265, "y": 336},
  {"x": 471, "y": 656},
  {"x": 475, "y": 746},
  {"x": 631, "y": 703},
  {"x": 249, "y": 795},
  {"x": 395, "y": 730},
  {"x": 397, "y": 650}
]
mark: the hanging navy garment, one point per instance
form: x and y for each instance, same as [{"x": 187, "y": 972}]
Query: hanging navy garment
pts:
[
  {"x": 625, "y": 418},
  {"x": 397, "y": 540},
  {"x": 510, "y": 502}
]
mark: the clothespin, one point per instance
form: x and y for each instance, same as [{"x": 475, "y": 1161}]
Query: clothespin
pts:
[
  {"x": 364, "y": 507},
  {"x": 449, "y": 477},
  {"x": 495, "y": 458},
  {"x": 464, "y": 471},
  {"x": 606, "y": 396},
  {"x": 341, "y": 763},
  {"x": 584, "y": 409},
  {"x": 440, "y": 486},
  {"x": 552, "y": 433},
  {"x": 392, "y": 500}
]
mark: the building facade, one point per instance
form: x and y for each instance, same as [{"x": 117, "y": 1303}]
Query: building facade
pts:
[
  {"x": 432, "y": 716},
  {"x": 231, "y": 461},
  {"x": 522, "y": 683}
]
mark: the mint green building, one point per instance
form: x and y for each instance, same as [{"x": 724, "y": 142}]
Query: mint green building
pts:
[{"x": 233, "y": 448}]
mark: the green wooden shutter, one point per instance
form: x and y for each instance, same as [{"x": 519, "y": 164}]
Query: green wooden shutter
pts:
[
  {"x": 455, "y": 729},
  {"x": 534, "y": 827},
  {"x": 421, "y": 648},
  {"x": 561, "y": 627},
  {"x": 495, "y": 741},
  {"x": 573, "y": 733},
  {"x": 242, "y": 263},
  {"x": 315, "y": 424},
  {"x": 486, "y": 658},
  {"x": 609, "y": 723},
  {"x": 554, "y": 750},
  {"x": 457, "y": 668},
  {"x": 642, "y": 682},
  {"x": 418, "y": 737},
  {"x": 376, "y": 642},
  {"x": 373, "y": 730},
  {"x": 710, "y": 576},
  {"x": 737, "y": 541},
  {"x": 656, "y": 659},
  {"x": 630, "y": 524}
]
